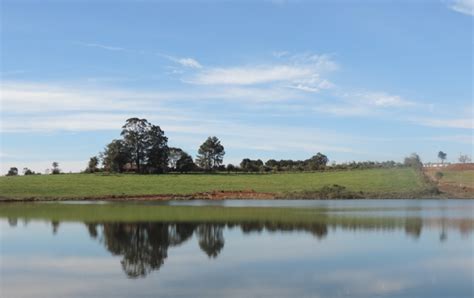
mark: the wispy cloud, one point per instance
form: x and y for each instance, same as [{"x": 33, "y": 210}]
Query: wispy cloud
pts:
[
  {"x": 378, "y": 99},
  {"x": 303, "y": 72},
  {"x": 249, "y": 75},
  {"x": 186, "y": 62},
  {"x": 102, "y": 46},
  {"x": 466, "y": 123},
  {"x": 183, "y": 61},
  {"x": 462, "y": 6}
]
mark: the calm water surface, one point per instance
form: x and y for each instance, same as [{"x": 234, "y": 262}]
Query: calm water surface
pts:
[{"x": 381, "y": 248}]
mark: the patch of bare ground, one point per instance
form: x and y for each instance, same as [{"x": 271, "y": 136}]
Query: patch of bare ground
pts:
[
  {"x": 454, "y": 189},
  {"x": 212, "y": 195}
]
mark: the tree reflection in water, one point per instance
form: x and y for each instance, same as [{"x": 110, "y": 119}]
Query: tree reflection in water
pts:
[{"x": 144, "y": 246}]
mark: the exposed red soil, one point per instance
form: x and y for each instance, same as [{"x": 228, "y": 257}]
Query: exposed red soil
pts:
[
  {"x": 460, "y": 167},
  {"x": 213, "y": 195},
  {"x": 450, "y": 188}
]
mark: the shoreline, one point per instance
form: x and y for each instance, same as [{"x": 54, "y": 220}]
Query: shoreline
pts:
[{"x": 244, "y": 195}]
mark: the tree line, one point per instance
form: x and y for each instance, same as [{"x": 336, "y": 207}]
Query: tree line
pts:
[{"x": 143, "y": 148}]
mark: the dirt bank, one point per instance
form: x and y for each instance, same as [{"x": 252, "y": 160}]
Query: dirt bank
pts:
[{"x": 214, "y": 195}]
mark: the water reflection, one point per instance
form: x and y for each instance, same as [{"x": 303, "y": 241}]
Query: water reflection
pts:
[{"x": 144, "y": 246}]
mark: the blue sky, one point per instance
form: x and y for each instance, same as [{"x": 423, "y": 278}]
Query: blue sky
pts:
[{"x": 356, "y": 80}]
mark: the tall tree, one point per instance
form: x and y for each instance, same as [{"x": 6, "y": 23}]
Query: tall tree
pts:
[
  {"x": 464, "y": 158},
  {"x": 27, "y": 172},
  {"x": 115, "y": 156},
  {"x": 173, "y": 156},
  {"x": 317, "y": 162},
  {"x": 12, "y": 172},
  {"x": 135, "y": 134},
  {"x": 413, "y": 161},
  {"x": 92, "y": 164},
  {"x": 56, "y": 169},
  {"x": 210, "y": 154},
  {"x": 156, "y": 150},
  {"x": 442, "y": 156},
  {"x": 185, "y": 163}
]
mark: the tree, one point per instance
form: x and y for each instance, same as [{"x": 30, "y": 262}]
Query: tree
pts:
[
  {"x": 148, "y": 145},
  {"x": 174, "y": 155},
  {"x": 27, "y": 172},
  {"x": 156, "y": 150},
  {"x": 56, "y": 169},
  {"x": 185, "y": 163},
  {"x": 92, "y": 165},
  {"x": 231, "y": 168},
  {"x": 250, "y": 165},
  {"x": 464, "y": 158},
  {"x": 115, "y": 156},
  {"x": 273, "y": 164},
  {"x": 210, "y": 154},
  {"x": 12, "y": 172},
  {"x": 317, "y": 162},
  {"x": 135, "y": 133},
  {"x": 413, "y": 161},
  {"x": 442, "y": 156}
]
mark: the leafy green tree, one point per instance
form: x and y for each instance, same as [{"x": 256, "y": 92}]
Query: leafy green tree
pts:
[
  {"x": 27, "y": 172},
  {"x": 56, "y": 170},
  {"x": 210, "y": 154},
  {"x": 156, "y": 150},
  {"x": 135, "y": 134},
  {"x": 148, "y": 145},
  {"x": 252, "y": 165},
  {"x": 317, "y": 162},
  {"x": 442, "y": 156},
  {"x": 92, "y": 164},
  {"x": 174, "y": 155},
  {"x": 413, "y": 161},
  {"x": 115, "y": 156},
  {"x": 273, "y": 164},
  {"x": 231, "y": 168},
  {"x": 185, "y": 163},
  {"x": 12, "y": 172}
]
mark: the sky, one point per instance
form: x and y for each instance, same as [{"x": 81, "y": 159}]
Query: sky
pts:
[{"x": 355, "y": 80}]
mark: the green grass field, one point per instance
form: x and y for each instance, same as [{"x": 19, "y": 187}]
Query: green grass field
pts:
[{"x": 402, "y": 180}]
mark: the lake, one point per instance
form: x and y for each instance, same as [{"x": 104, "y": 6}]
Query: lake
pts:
[{"x": 292, "y": 248}]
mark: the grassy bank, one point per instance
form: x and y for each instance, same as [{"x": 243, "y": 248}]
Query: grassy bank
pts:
[{"x": 372, "y": 183}]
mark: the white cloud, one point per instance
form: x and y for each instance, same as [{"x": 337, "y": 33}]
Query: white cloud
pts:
[
  {"x": 379, "y": 99},
  {"x": 23, "y": 98},
  {"x": 302, "y": 72},
  {"x": 467, "y": 123},
  {"x": 463, "y": 6},
  {"x": 189, "y": 62},
  {"x": 19, "y": 97},
  {"x": 279, "y": 54},
  {"x": 250, "y": 75},
  {"x": 183, "y": 61},
  {"x": 101, "y": 46}
]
